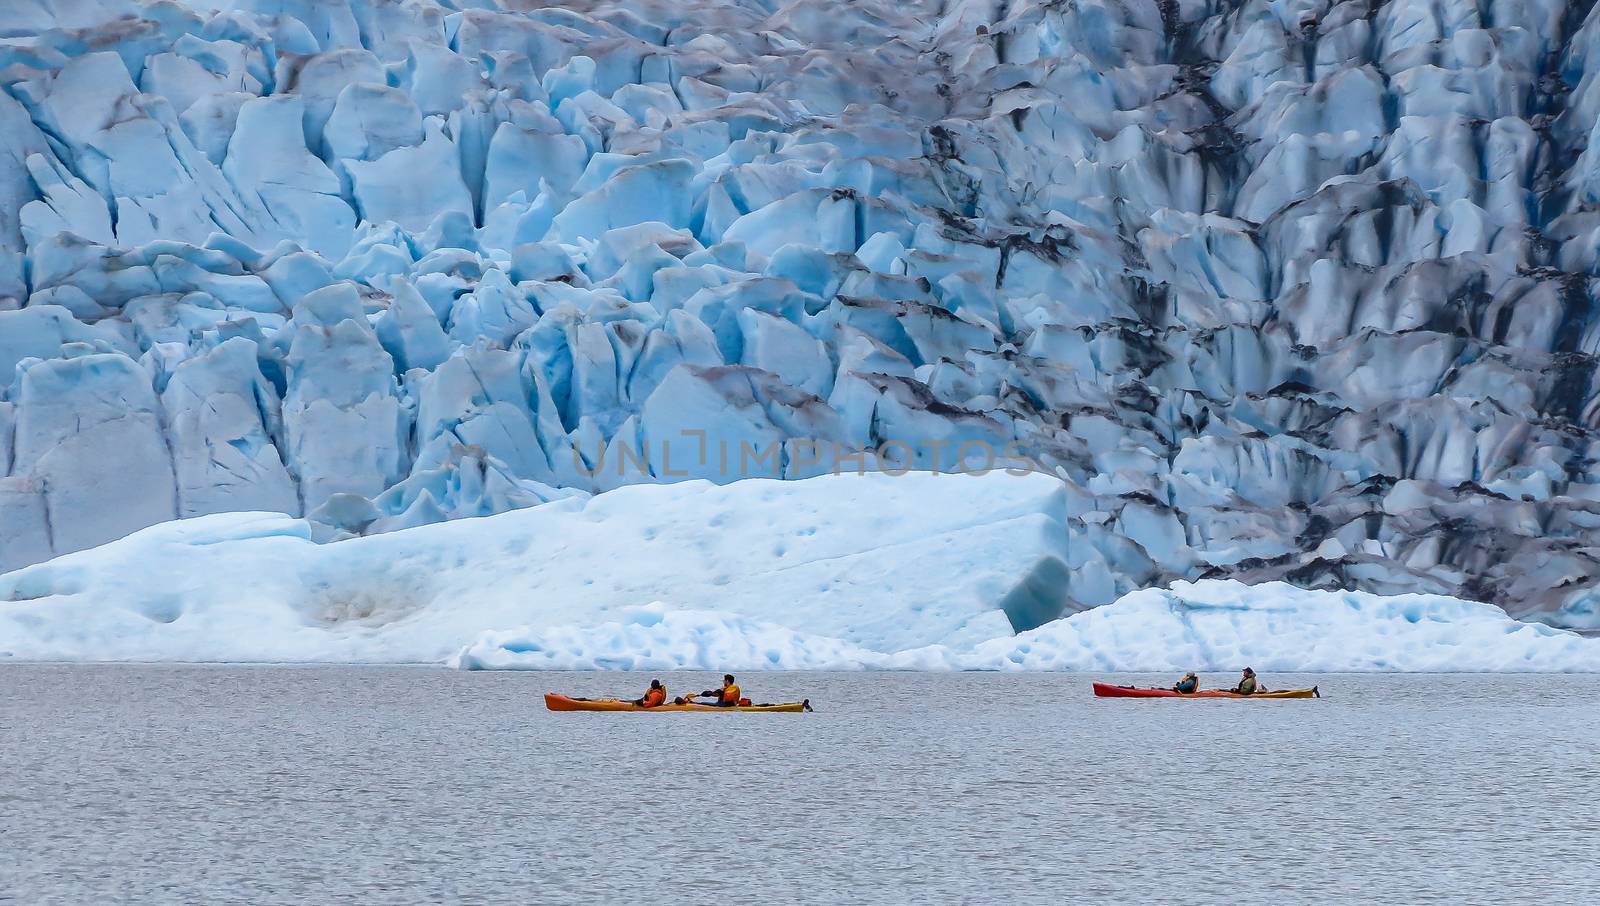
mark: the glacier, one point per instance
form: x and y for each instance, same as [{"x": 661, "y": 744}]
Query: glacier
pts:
[
  {"x": 874, "y": 572},
  {"x": 1294, "y": 291}
]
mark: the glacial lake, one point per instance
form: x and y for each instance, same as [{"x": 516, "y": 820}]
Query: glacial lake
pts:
[{"x": 165, "y": 784}]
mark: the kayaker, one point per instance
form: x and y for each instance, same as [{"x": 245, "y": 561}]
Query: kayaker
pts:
[
  {"x": 1189, "y": 685},
  {"x": 654, "y": 697},
  {"x": 1247, "y": 684},
  {"x": 728, "y": 695}
]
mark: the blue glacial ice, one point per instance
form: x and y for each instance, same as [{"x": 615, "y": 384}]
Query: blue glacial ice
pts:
[{"x": 1280, "y": 290}]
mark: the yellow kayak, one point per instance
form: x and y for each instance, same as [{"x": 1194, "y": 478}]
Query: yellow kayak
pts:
[{"x": 557, "y": 702}]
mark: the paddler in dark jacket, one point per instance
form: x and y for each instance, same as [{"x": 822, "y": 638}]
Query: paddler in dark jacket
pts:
[
  {"x": 1189, "y": 685},
  {"x": 1247, "y": 683}
]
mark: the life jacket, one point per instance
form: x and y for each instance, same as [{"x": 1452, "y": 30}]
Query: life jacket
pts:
[
  {"x": 1189, "y": 685},
  {"x": 729, "y": 695},
  {"x": 655, "y": 697},
  {"x": 1247, "y": 686}
]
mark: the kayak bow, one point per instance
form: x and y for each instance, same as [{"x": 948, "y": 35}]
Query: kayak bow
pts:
[
  {"x": 557, "y": 702},
  {"x": 1106, "y": 690}
]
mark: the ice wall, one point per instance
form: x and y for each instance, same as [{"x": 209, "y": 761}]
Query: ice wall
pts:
[{"x": 1298, "y": 290}]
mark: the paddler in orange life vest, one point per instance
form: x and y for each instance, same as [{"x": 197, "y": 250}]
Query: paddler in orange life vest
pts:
[
  {"x": 728, "y": 695},
  {"x": 1189, "y": 685},
  {"x": 654, "y": 697}
]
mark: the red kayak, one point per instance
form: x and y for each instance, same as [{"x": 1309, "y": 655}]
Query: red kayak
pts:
[{"x": 1106, "y": 690}]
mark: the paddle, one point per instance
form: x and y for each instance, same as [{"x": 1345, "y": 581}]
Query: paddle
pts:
[{"x": 690, "y": 698}]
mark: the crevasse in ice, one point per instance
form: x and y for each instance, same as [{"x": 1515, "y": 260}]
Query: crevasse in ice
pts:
[{"x": 1299, "y": 290}]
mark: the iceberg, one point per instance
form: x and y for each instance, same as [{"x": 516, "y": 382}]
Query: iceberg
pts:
[
  {"x": 876, "y": 571},
  {"x": 882, "y": 561},
  {"x": 656, "y": 637},
  {"x": 1222, "y": 626},
  {"x": 1211, "y": 626}
]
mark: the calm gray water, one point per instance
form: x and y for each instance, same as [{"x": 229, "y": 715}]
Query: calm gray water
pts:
[{"x": 365, "y": 785}]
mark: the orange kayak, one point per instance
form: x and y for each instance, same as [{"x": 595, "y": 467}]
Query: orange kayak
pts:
[
  {"x": 557, "y": 702},
  {"x": 1106, "y": 690}
]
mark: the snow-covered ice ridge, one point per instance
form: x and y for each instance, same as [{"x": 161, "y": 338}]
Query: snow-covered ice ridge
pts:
[
  {"x": 1296, "y": 290},
  {"x": 916, "y": 572},
  {"x": 882, "y": 561}
]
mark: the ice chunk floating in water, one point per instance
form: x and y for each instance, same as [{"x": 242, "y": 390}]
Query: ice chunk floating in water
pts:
[
  {"x": 886, "y": 562},
  {"x": 1216, "y": 626},
  {"x": 1226, "y": 625},
  {"x": 1302, "y": 291},
  {"x": 835, "y": 572},
  {"x": 655, "y": 637}
]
